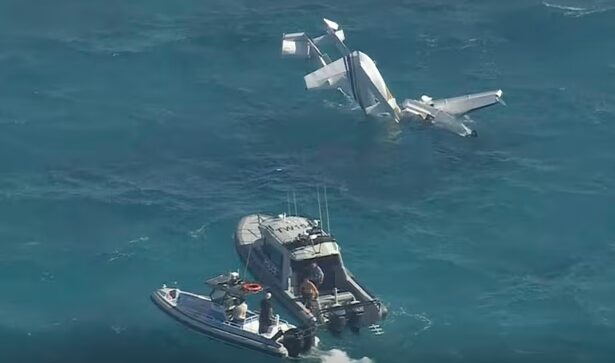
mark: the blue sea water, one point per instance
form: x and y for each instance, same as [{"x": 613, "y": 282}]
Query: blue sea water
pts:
[{"x": 135, "y": 134}]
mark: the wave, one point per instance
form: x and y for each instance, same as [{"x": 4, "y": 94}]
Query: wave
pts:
[
  {"x": 577, "y": 11},
  {"x": 563, "y": 7}
]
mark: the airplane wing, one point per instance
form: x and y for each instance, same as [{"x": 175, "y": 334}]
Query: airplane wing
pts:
[
  {"x": 450, "y": 123},
  {"x": 436, "y": 117},
  {"x": 464, "y": 104}
]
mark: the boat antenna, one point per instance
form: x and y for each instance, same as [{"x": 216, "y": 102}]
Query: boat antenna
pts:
[
  {"x": 327, "y": 212},
  {"x": 295, "y": 202},
  {"x": 288, "y": 202},
  {"x": 319, "y": 211}
]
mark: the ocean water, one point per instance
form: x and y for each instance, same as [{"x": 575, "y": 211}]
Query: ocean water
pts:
[{"x": 135, "y": 134}]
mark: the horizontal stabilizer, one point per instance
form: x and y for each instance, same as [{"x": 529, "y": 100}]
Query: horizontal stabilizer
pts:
[{"x": 468, "y": 103}]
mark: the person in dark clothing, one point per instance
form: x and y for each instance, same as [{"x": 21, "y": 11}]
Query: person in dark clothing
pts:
[{"x": 265, "y": 319}]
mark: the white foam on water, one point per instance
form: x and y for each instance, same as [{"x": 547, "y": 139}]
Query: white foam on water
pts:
[
  {"x": 198, "y": 233},
  {"x": 340, "y": 356},
  {"x": 577, "y": 11},
  {"x": 563, "y": 7},
  {"x": 137, "y": 240}
]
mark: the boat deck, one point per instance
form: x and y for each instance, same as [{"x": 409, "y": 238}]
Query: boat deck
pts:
[
  {"x": 247, "y": 230},
  {"x": 197, "y": 308}
]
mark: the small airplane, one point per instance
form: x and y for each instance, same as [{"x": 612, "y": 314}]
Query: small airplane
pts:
[{"x": 356, "y": 76}]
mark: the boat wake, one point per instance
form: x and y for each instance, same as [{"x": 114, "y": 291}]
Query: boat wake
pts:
[{"x": 338, "y": 356}]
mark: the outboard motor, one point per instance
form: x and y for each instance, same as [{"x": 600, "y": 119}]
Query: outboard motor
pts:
[
  {"x": 355, "y": 317},
  {"x": 337, "y": 321},
  {"x": 384, "y": 312},
  {"x": 298, "y": 341},
  {"x": 309, "y": 341},
  {"x": 292, "y": 342}
]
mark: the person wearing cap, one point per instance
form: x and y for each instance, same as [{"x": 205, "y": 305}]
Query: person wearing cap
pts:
[{"x": 265, "y": 318}]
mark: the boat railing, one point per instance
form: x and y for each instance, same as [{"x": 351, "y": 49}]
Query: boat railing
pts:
[
  {"x": 209, "y": 317},
  {"x": 278, "y": 319},
  {"x": 234, "y": 325},
  {"x": 248, "y": 320}
]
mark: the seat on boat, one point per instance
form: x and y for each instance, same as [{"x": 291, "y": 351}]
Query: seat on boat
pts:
[
  {"x": 197, "y": 307},
  {"x": 271, "y": 331},
  {"x": 250, "y": 325},
  {"x": 342, "y": 297}
]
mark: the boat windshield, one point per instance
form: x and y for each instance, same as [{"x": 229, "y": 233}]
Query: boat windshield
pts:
[
  {"x": 314, "y": 237},
  {"x": 227, "y": 289},
  {"x": 217, "y": 296}
]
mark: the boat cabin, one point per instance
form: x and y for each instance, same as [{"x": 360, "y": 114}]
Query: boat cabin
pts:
[
  {"x": 279, "y": 250},
  {"x": 290, "y": 245}
]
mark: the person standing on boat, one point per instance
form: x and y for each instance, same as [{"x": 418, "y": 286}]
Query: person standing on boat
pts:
[
  {"x": 265, "y": 318},
  {"x": 315, "y": 274},
  {"x": 309, "y": 292},
  {"x": 234, "y": 279},
  {"x": 240, "y": 311}
]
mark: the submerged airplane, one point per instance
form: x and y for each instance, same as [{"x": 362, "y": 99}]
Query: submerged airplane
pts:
[{"x": 356, "y": 76}]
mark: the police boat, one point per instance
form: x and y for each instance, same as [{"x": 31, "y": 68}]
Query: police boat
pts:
[
  {"x": 280, "y": 250},
  {"x": 212, "y": 315}
]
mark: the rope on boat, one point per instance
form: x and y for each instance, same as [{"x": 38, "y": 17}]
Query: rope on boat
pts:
[
  {"x": 245, "y": 268},
  {"x": 247, "y": 261}
]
